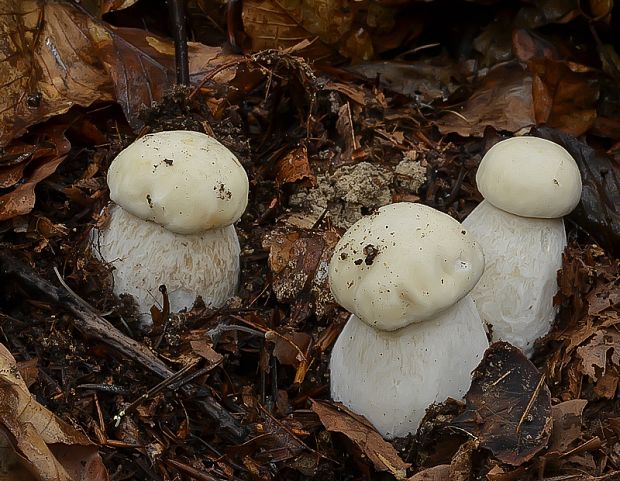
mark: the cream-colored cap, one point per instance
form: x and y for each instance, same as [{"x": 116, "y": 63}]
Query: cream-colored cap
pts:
[
  {"x": 406, "y": 263},
  {"x": 530, "y": 177},
  {"x": 185, "y": 181}
]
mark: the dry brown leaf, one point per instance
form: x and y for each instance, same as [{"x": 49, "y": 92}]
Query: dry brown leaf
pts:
[
  {"x": 337, "y": 418},
  {"x": 49, "y": 151},
  {"x": 294, "y": 166},
  {"x": 564, "y": 95},
  {"x": 603, "y": 346},
  {"x": 298, "y": 261},
  {"x": 436, "y": 473},
  {"x": 289, "y": 348},
  {"x": 508, "y": 406},
  {"x": 203, "y": 348},
  {"x": 48, "y": 448},
  {"x": 566, "y": 424},
  {"x": 48, "y": 64},
  {"x": 502, "y": 101},
  {"x": 424, "y": 80},
  {"x": 333, "y": 27}
]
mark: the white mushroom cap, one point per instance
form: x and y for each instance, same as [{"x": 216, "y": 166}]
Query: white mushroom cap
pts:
[
  {"x": 530, "y": 177},
  {"x": 406, "y": 263},
  {"x": 185, "y": 181}
]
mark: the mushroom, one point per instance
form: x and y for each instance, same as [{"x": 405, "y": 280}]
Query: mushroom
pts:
[
  {"x": 414, "y": 335},
  {"x": 175, "y": 196},
  {"x": 528, "y": 184}
]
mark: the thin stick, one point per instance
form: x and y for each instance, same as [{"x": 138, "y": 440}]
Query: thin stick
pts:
[
  {"x": 181, "y": 59},
  {"x": 94, "y": 326},
  {"x": 531, "y": 403}
]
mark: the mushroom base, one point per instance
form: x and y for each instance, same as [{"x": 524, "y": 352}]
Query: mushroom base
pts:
[
  {"x": 391, "y": 377},
  {"x": 145, "y": 255},
  {"x": 522, "y": 256}
]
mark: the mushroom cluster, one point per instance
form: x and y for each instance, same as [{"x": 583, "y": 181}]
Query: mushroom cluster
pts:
[
  {"x": 175, "y": 196},
  {"x": 414, "y": 335},
  {"x": 528, "y": 184}
]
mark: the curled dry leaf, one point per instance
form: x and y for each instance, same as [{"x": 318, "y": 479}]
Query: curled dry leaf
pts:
[
  {"x": 48, "y": 64},
  {"x": 294, "y": 166},
  {"x": 42, "y": 160},
  {"x": 46, "y": 447},
  {"x": 502, "y": 101},
  {"x": 508, "y": 406},
  {"x": 339, "y": 419}
]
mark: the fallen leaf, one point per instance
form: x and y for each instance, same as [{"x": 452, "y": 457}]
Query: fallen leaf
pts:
[
  {"x": 333, "y": 29},
  {"x": 48, "y": 448},
  {"x": 527, "y": 45},
  {"x": 203, "y": 348},
  {"x": 50, "y": 150},
  {"x": 298, "y": 261},
  {"x": 337, "y": 418},
  {"x": 564, "y": 95},
  {"x": 567, "y": 418},
  {"x": 49, "y": 64},
  {"x": 290, "y": 347},
  {"x": 604, "y": 346},
  {"x": 294, "y": 166},
  {"x": 508, "y": 407},
  {"x": 503, "y": 101},
  {"x": 424, "y": 80},
  {"x": 436, "y": 473}
]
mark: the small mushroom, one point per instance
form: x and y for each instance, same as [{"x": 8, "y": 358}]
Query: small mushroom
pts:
[
  {"x": 175, "y": 196},
  {"x": 414, "y": 335},
  {"x": 528, "y": 184}
]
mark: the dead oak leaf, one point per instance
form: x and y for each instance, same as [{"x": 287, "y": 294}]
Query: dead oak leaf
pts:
[
  {"x": 337, "y": 418},
  {"x": 48, "y": 64},
  {"x": 508, "y": 407},
  {"x": 46, "y": 447},
  {"x": 50, "y": 151},
  {"x": 567, "y": 418},
  {"x": 594, "y": 354}
]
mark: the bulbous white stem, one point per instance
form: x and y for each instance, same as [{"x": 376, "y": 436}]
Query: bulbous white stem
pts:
[
  {"x": 522, "y": 256},
  {"x": 391, "y": 377},
  {"x": 145, "y": 255}
]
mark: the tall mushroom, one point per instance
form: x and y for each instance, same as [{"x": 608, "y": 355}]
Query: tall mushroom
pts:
[
  {"x": 414, "y": 335},
  {"x": 528, "y": 184},
  {"x": 175, "y": 196}
]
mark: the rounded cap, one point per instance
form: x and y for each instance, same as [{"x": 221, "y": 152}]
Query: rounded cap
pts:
[
  {"x": 406, "y": 263},
  {"x": 530, "y": 177},
  {"x": 185, "y": 181}
]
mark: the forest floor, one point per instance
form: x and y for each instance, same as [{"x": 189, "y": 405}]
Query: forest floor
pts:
[{"x": 334, "y": 109}]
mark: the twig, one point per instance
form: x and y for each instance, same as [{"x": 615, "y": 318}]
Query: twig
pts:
[
  {"x": 94, "y": 326},
  {"x": 153, "y": 391},
  {"x": 531, "y": 402},
  {"x": 177, "y": 14}
]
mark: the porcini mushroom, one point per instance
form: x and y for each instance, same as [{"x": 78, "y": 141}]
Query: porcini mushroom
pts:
[
  {"x": 414, "y": 335},
  {"x": 528, "y": 184},
  {"x": 175, "y": 196}
]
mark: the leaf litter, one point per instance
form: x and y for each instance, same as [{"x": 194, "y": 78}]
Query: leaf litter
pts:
[{"x": 363, "y": 107}]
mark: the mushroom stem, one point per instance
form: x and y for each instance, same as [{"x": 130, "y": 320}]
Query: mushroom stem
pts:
[
  {"x": 393, "y": 376},
  {"x": 188, "y": 264},
  {"x": 523, "y": 254}
]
